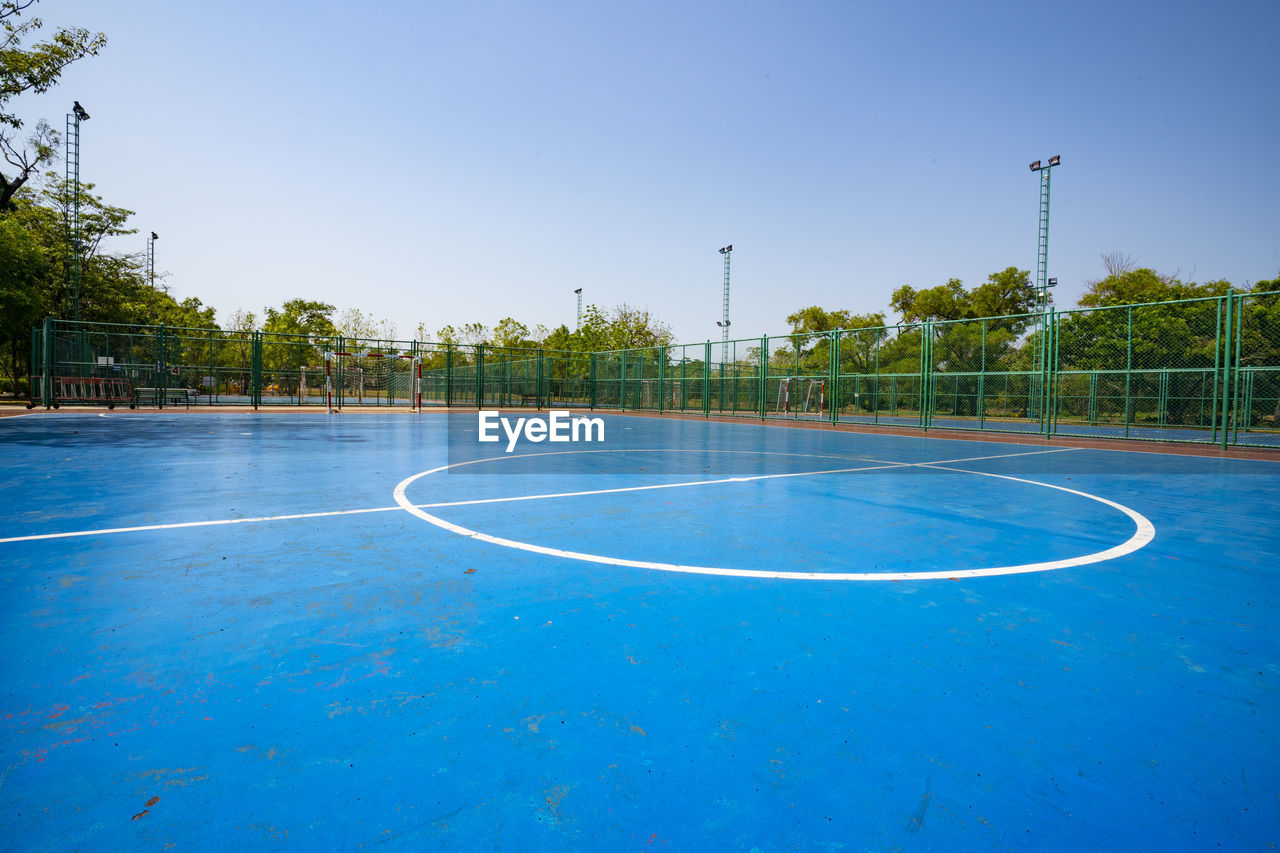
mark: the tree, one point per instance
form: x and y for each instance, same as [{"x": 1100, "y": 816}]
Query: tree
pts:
[
  {"x": 1160, "y": 334},
  {"x": 860, "y": 335},
  {"x": 35, "y": 69},
  {"x": 354, "y": 323},
  {"x": 1008, "y": 294},
  {"x": 1142, "y": 285},
  {"x": 633, "y": 328},
  {"x": 971, "y": 331},
  {"x": 301, "y": 317},
  {"x": 23, "y": 267},
  {"x": 511, "y": 333}
]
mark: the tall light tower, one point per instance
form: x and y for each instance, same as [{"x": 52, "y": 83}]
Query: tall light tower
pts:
[
  {"x": 1043, "y": 282},
  {"x": 724, "y": 324},
  {"x": 151, "y": 259},
  {"x": 579, "y": 292},
  {"x": 71, "y": 270}
]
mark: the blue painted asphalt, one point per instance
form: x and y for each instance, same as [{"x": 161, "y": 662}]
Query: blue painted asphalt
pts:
[{"x": 341, "y": 680}]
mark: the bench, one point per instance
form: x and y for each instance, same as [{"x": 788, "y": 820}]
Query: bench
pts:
[{"x": 164, "y": 396}]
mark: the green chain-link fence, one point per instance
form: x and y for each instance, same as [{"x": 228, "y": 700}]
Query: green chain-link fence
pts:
[{"x": 1202, "y": 370}]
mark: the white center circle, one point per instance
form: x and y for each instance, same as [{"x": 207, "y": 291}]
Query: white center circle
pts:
[{"x": 1143, "y": 534}]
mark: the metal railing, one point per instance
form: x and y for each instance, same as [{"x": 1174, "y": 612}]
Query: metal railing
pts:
[{"x": 1201, "y": 370}]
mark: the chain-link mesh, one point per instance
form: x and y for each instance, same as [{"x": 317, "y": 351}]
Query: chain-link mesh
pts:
[
  {"x": 878, "y": 375},
  {"x": 1204, "y": 370},
  {"x": 1255, "y": 391},
  {"x": 1140, "y": 371}
]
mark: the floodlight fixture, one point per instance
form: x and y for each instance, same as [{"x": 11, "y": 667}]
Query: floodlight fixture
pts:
[
  {"x": 80, "y": 112},
  {"x": 1055, "y": 160},
  {"x": 155, "y": 236},
  {"x": 1035, "y": 166}
]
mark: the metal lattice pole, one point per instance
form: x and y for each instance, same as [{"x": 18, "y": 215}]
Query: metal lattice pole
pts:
[
  {"x": 71, "y": 269},
  {"x": 151, "y": 259},
  {"x": 724, "y": 323},
  {"x": 579, "y": 292},
  {"x": 1043, "y": 282}
]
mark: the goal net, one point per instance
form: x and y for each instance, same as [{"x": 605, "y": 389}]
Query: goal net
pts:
[{"x": 372, "y": 379}]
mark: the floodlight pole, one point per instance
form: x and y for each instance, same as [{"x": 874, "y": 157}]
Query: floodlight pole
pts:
[
  {"x": 151, "y": 259},
  {"x": 579, "y": 292},
  {"x": 1043, "y": 282},
  {"x": 71, "y": 269},
  {"x": 724, "y": 323}
]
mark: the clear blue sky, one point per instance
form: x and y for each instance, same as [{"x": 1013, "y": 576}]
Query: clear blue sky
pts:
[{"x": 446, "y": 162}]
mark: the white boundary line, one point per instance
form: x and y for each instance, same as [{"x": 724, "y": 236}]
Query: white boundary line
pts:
[
  {"x": 182, "y": 524},
  {"x": 295, "y": 516},
  {"x": 1143, "y": 535}
]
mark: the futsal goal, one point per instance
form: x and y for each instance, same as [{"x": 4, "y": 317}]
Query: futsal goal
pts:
[
  {"x": 372, "y": 379},
  {"x": 801, "y": 396}
]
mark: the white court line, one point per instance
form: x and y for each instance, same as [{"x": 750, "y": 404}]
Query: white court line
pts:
[
  {"x": 1001, "y": 456},
  {"x": 1143, "y": 535},
  {"x": 181, "y": 524},
  {"x": 881, "y": 465},
  {"x": 441, "y": 504}
]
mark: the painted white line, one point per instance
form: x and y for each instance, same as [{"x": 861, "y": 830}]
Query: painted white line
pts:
[
  {"x": 1144, "y": 534},
  {"x": 650, "y": 487},
  {"x": 295, "y": 516},
  {"x": 182, "y": 524},
  {"x": 999, "y": 456},
  {"x": 639, "y": 564}
]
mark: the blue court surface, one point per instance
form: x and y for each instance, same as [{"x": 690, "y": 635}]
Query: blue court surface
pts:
[{"x": 304, "y": 631}]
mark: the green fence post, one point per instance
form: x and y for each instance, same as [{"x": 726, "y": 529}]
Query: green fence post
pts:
[
  {"x": 662, "y": 377},
  {"x": 1162, "y": 396},
  {"x": 875, "y": 414},
  {"x": 255, "y": 370},
  {"x": 539, "y": 384},
  {"x": 1217, "y": 365},
  {"x": 622, "y": 383},
  {"x": 46, "y": 373},
  {"x": 926, "y": 370},
  {"x": 1051, "y": 375},
  {"x": 591, "y": 382},
  {"x": 833, "y": 372},
  {"x": 162, "y": 365},
  {"x": 707, "y": 381},
  {"x": 764, "y": 376},
  {"x": 982, "y": 381},
  {"x": 1226, "y": 371},
  {"x": 340, "y": 346},
  {"x": 1235, "y": 385},
  {"x": 1128, "y": 374}
]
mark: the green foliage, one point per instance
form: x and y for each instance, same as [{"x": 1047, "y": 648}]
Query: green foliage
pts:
[
  {"x": 34, "y": 276},
  {"x": 511, "y": 333},
  {"x": 301, "y": 317},
  {"x": 33, "y": 69},
  {"x": 23, "y": 266},
  {"x": 1007, "y": 294},
  {"x": 354, "y": 323},
  {"x": 1145, "y": 285}
]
